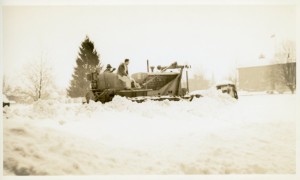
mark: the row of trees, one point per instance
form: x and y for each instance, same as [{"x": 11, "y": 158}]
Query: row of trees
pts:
[
  {"x": 36, "y": 82},
  {"x": 199, "y": 82},
  {"x": 37, "y": 77}
]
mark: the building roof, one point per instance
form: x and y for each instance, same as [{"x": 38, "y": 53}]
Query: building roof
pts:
[{"x": 262, "y": 65}]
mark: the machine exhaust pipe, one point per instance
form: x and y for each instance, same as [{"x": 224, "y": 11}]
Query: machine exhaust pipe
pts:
[{"x": 147, "y": 65}]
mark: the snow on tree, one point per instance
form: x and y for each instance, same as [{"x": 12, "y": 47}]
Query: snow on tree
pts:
[
  {"x": 38, "y": 80},
  {"x": 87, "y": 61},
  {"x": 6, "y": 87}
]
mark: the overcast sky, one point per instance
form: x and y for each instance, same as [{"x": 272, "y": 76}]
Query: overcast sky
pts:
[{"x": 213, "y": 39}]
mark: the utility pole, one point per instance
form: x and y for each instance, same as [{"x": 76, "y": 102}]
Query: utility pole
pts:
[
  {"x": 147, "y": 65},
  {"x": 187, "y": 82},
  {"x": 273, "y": 36}
]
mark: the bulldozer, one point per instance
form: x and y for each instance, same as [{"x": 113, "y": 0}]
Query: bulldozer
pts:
[{"x": 164, "y": 84}]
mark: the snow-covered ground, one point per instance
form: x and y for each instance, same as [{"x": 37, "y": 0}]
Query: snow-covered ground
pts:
[{"x": 211, "y": 135}]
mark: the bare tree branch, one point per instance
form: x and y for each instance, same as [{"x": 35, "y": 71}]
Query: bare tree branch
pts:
[
  {"x": 285, "y": 71},
  {"x": 37, "y": 79}
]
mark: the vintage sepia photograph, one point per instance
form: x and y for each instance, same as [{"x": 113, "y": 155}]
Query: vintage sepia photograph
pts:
[{"x": 149, "y": 89}]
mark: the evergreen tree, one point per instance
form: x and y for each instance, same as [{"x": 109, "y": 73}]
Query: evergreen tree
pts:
[{"x": 87, "y": 62}]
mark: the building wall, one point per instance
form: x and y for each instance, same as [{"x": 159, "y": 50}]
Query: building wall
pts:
[{"x": 262, "y": 78}]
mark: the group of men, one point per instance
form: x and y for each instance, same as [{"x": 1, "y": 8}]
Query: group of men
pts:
[
  {"x": 122, "y": 69},
  {"x": 123, "y": 74}
]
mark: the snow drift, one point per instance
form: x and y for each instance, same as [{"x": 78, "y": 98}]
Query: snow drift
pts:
[{"x": 211, "y": 135}]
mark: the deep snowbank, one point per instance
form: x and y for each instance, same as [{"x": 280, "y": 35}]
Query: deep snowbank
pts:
[{"x": 214, "y": 134}]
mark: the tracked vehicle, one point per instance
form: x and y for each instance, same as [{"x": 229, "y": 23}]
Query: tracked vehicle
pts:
[{"x": 161, "y": 85}]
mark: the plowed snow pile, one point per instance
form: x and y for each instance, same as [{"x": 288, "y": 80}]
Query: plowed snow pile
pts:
[{"x": 211, "y": 135}]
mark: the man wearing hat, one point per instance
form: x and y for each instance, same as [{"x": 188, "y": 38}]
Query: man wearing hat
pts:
[{"x": 109, "y": 69}]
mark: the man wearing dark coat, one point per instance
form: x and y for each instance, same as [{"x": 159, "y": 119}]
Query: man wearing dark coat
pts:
[
  {"x": 123, "y": 68},
  {"x": 123, "y": 74}
]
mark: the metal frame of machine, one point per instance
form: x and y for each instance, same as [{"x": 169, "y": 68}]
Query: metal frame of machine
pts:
[{"x": 160, "y": 85}]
